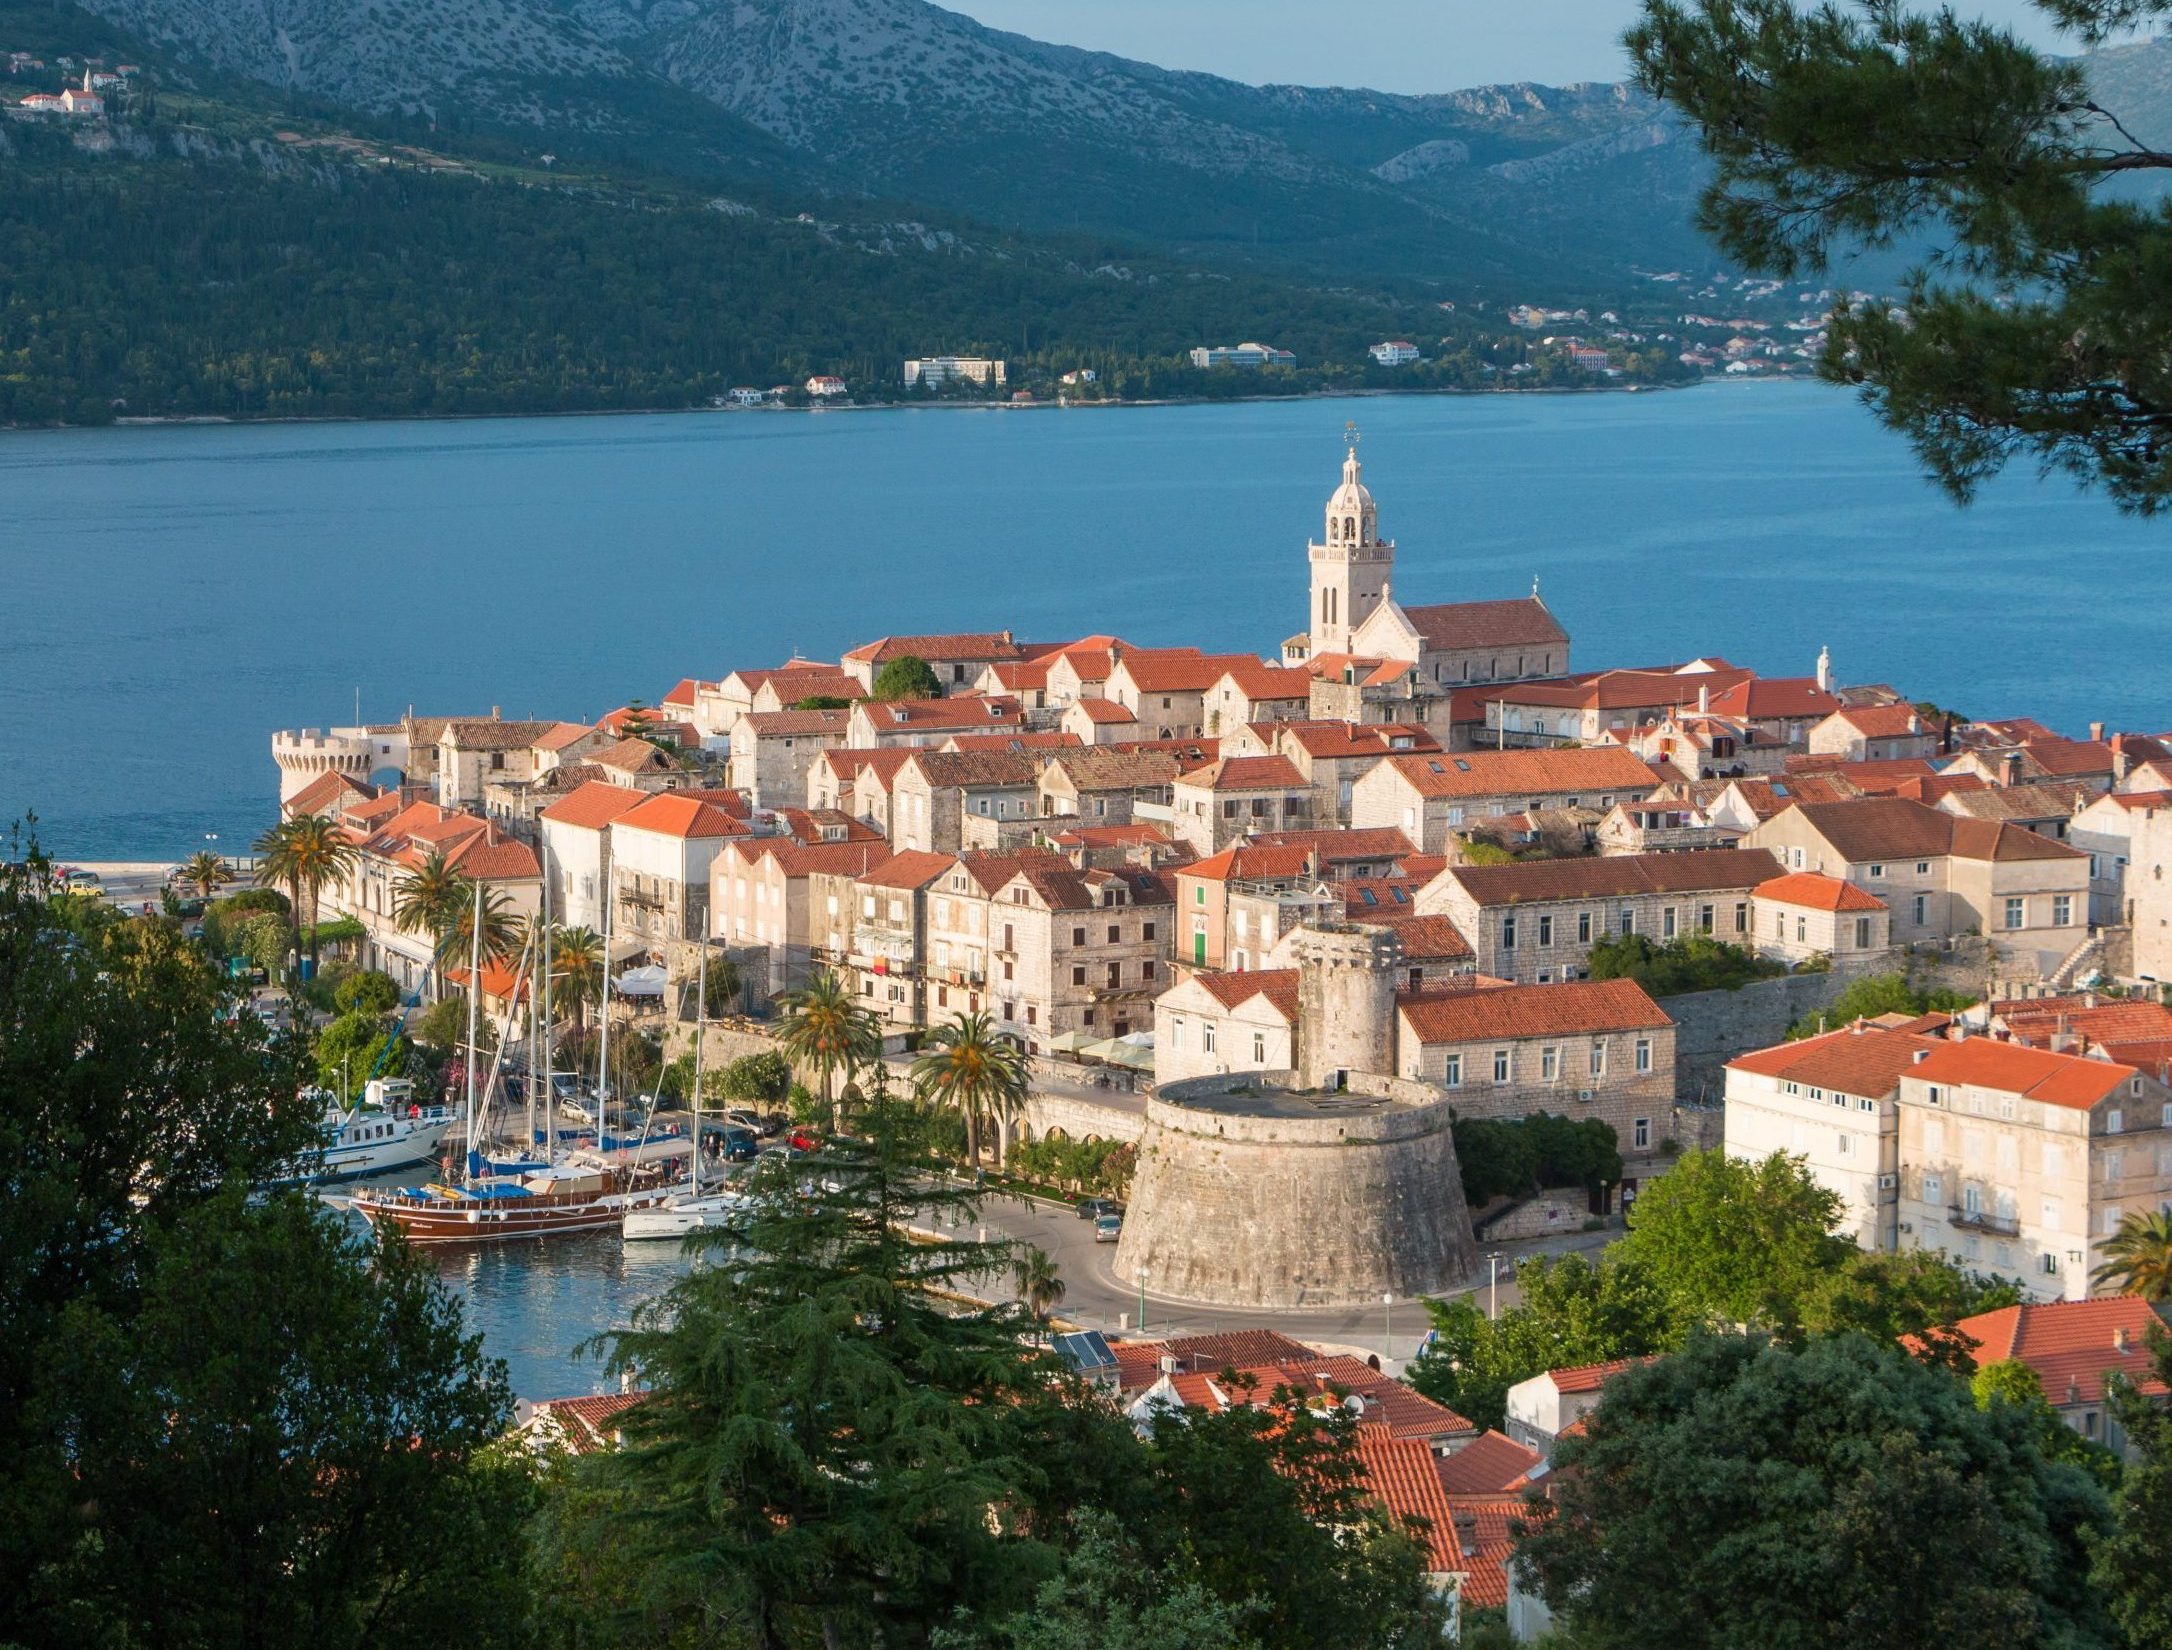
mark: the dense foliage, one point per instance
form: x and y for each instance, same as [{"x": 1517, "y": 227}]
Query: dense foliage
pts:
[
  {"x": 1696, "y": 962},
  {"x": 2037, "y": 324},
  {"x": 1512, "y": 1157},
  {"x": 1877, "y": 994}
]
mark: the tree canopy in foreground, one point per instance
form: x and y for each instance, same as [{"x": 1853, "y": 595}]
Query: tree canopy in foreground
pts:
[{"x": 2038, "y": 320}]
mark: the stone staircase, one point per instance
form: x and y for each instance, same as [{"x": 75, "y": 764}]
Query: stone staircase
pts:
[{"x": 2076, "y": 962}]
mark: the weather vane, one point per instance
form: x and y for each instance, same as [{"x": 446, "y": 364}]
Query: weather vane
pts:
[{"x": 1350, "y": 432}]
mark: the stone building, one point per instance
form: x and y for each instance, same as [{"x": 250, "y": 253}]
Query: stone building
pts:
[
  {"x": 1832, "y": 1101},
  {"x": 772, "y": 752},
  {"x": 1431, "y": 798},
  {"x": 1209, "y": 1024},
  {"x": 660, "y": 858},
  {"x": 2020, "y": 1162},
  {"x": 936, "y": 792},
  {"x": 1237, "y": 796},
  {"x": 1592, "y": 1048},
  {"x": 1536, "y": 921},
  {"x": 1804, "y": 914},
  {"x": 957, "y": 660}
]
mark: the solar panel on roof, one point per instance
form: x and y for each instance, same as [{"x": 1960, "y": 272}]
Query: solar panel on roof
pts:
[{"x": 1087, "y": 1351}]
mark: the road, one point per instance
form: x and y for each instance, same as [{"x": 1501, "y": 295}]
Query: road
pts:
[{"x": 1096, "y": 1298}]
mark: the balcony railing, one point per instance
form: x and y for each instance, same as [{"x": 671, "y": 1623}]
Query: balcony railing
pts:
[{"x": 1983, "y": 1220}]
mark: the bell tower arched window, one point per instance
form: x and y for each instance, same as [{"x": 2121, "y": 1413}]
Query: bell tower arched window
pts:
[{"x": 1349, "y": 527}]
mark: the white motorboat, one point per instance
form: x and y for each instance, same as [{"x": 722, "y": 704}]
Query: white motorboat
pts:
[
  {"x": 682, "y": 1216},
  {"x": 388, "y": 1131}
]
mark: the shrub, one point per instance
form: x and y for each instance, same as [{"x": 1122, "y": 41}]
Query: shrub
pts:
[
  {"x": 1696, "y": 962},
  {"x": 367, "y": 990}
]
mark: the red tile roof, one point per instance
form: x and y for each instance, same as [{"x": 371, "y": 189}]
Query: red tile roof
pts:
[
  {"x": 587, "y": 1425},
  {"x": 963, "y": 648},
  {"x": 1233, "y": 990},
  {"x": 1180, "y": 672},
  {"x": 1103, "y": 711},
  {"x": 1588, "y": 1377},
  {"x": 1490, "y": 1464},
  {"x": 1247, "y": 773},
  {"x": 595, "y": 805},
  {"x": 1861, "y": 1059},
  {"x": 1574, "y": 1007},
  {"x": 1404, "y": 1477},
  {"x": 2072, "y": 1345},
  {"x": 1425, "y": 938},
  {"x": 1882, "y": 721},
  {"x": 1455, "y": 626},
  {"x": 1818, "y": 892},
  {"x": 671, "y": 814},
  {"x": 966, "y": 710},
  {"x": 1525, "y": 773},
  {"x": 2037, "y": 1074},
  {"x": 1774, "y": 697},
  {"x": 779, "y": 724},
  {"x": 907, "y": 868},
  {"x": 1710, "y": 870}
]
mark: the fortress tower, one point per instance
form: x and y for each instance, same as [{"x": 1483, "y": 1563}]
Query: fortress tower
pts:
[
  {"x": 1345, "y": 1002},
  {"x": 1351, "y": 568}
]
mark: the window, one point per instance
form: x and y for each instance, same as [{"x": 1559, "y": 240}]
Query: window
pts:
[
  {"x": 2050, "y": 1264},
  {"x": 1704, "y": 919},
  {"x": 2062, "y": 910},
  {"x": 1934, "y": 1189},
  {"x": 2017, "y": 912},
  {"x": 1862, "y": 933},
  {"x": 1644, "y": 1054},
  {"x": 1115, "y": 933},
  {"x": 1598, "y": 1059},
  {"x": 1116, "y": 975},
  {"x": 1923, "y": 867},
  {"x": 1146, "y": 970},
  {"x": 1802, "y": 928},
  {"x": 1546, "y": 931},
  {"x": 1583, "y": 928},
  {"x": 1922, "y": 909},
  {"x": 1843, "y": 1143},
  {"x": 1259, "y": 1048},
  {"x": 1877, "y": 870},
  {"x": 1199, "y": 896},
  {"x": 1078, "y": 974},
  {"x": 1508, "y": 933},
  {"x": 1500, "y": 1065},
  {"x": 1146, "y": 931},
  {"x": 1078, "y": 936},
  {"x": 2114, "y": 1120},
  {"x": 1549, "y": 1064},
  {"x": 1628, "y": 921},
  {"x": 1666, "y": 923},
  {"x": 1641, "y": 1133},
  {"x": 1176, "y": 1032},
  {"x": 1206, "y": 1036},
  {"x": 1451, "y": 1073},
  {"x": 1742, "y": 916}
]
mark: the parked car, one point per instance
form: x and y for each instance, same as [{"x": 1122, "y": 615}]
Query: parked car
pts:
[
  {"x": 740, "y": 1146},
  {"x": 1108, "y": 1228},
  {"x": 762, "y": 1124},
  {"x": 1093, "y": 1208},
  {"x": 802, "y": 1141}
]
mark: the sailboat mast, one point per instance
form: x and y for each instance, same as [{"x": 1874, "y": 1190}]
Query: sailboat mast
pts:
[
  {"x": 475, "y": 997},
  {"x": 701, "y": 1009},
  {"x": 603, "y": 1017}
]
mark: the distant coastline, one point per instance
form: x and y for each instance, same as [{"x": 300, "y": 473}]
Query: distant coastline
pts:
[{"x": 184, "y": 420}]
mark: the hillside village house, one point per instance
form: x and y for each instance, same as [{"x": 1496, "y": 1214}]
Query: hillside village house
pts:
[
  {"x": 1098, "y": 722},
  {"x": 2148, "y": 893},
  {"x": 957, "y": 660},
  {"x": 1591, "y": 1048},
  {"x": 761, "y": 895},
  {"x": 1873, "y": 733},
  {"x": 1210, "y": 1023},
  {"x": 1536, "y": 921},
  {"x": 576, "y": 840},
  {"x": 1939, "y": 875},
  {"x": 1332, "y": 756},
  {"x": 660, "y": 860},
  {"x": 1589, "y": 709},
  {"x": 1253, "y": 692},
  {"x": 1432, "y": 798},
  {"x": 2104, "y": 831},
  {"x": 873, "y": 724},
  {"x": 857, "y": 782},
  {"x": 1108, "y": 787},
  {"x": 1235, "y": 905},
  {"x": 719, "y": 705},
  {"x": 2074, "y": 1348},
  {"x": 1168, "y": 692},
  {"x": 1803, "y": 915},
  {"x": 474, "y": 751},
  {"x": 938, "y": 798},
  {"x": 1236, "y": 796},
  {"x": 2019, "y": 1162},
  {"x": 772, "y": 752},
  {"x": 1832, "y": 1101}
]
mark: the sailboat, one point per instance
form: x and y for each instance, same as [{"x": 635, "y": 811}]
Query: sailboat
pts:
[
  {"x": 564, "y": 1196},
  {"x": 692, "y": 1210}
]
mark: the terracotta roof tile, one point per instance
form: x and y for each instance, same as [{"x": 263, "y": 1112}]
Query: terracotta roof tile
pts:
[
  {"x": 777, "y": 724},
  {"x": 1863, "y": 1060},
  {"x": 1490, "y": 1464},
  {"x": 2069, "y": 1080},
  {"x": 595, "y": 805},
  {"x": 1234, "y": 989},
  {"x": 1710, "y": 870},
  {"x": 1571, "y": 1008},
  {"x": 1456, "y": 626},
  {"x": 1818, "y": 892},
  {"x": 1247, "y": 773},
  {"x": 671, "y": 814},
  {"x": 962, "y": 648},
  {"x": 1103, "y": 711},
  {"x": 1525, "y": 773},
  {"x": 907, "y": 868},
  {"x": 2072, "y": 1345}
]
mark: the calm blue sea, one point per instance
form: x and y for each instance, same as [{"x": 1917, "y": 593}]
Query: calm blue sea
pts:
[{"x": 169, "y": 596}]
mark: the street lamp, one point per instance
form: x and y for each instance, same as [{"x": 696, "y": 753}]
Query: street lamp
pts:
[
  {"x": 1142, "y": 1300},
  {"x": 1387, "y": 1326},
  {"x": 1493, "y": 1284}
]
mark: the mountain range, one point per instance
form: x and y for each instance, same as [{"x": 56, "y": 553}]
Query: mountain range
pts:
[{"x": 897, "y": 99}]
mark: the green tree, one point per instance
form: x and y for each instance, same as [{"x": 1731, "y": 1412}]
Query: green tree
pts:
[
  {"x": 444, "y": 1024},
  {"x": 576, "y": 972},
  {"x": 1912, "y": 1293},
  {"x": 1733, "y": 1241},
  {"x": 1833, "y": 1493},
  {"x": 2138, "y": 1257},
  {"x": 907, "y": 677},
  {"x": 821, "y": 701},
  {"x": 263, "y": 939},
  {"x": 2012, "y": 1383},
  {"x": 206, "y": 872},
  {"x": 1877, "y": 994},
  {"x": 1040, "y": 1283},
  {"x": 824, "y": 1028},
  {"x": 761, "y": 1080},
  {"x": 355, "y": 1045},
  {"x": 1696, "y": 962},
  {"x": 1572, "y": 1311},
  {"x": 2032, "y": 324},
  {"x": 307, "y": 854},
  {"x": 366, "y": 991},
  {"x": 2127, "y": 1565},
  {"x": 427, "y": 900},
  {"x": 970, "y": 1067},
  {"x": 830, "y": 1451}
]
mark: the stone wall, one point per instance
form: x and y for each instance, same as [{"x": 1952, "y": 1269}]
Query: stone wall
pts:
[
  {"x": 1550, "y": 1214},
  {"x": 1712, "y": 1027},
  {"x": 1289, "y": 1203},
  {"x": 1079, "y": 1118}
]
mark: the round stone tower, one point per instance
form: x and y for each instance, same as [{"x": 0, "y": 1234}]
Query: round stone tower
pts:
[
  {"x": 1254, "y": 1191},
  {"x": 1346, "y": 977}
]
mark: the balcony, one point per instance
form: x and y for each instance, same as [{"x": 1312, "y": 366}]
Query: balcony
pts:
[{"x": 1982, "y": 1220}]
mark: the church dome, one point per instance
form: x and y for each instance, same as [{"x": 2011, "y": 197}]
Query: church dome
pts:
[{"x": 1353, "y": 493}]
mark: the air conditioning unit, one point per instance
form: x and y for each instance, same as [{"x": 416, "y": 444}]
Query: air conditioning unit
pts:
[
  {"x": 1907, "y": 1226},
  {"x": 1887, "y": 1182},
  {"x": 1587, "y": 1095}
]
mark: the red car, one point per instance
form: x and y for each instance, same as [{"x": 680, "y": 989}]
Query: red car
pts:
[{"x": 802, "y": 1141}]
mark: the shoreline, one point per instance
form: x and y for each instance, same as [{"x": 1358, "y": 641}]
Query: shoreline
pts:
[{"x": 153, "y": 421}]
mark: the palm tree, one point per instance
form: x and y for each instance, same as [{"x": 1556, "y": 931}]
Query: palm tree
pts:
[
  {"x": 967, "y": 1065},
  {"x": 2138, "y": 1257},
  {"x": 503, "y": 931},
  {"x": 206, "y": 872},
  {"x": 429, "y": 899},
  {"x": 576, "y": 971},
  {"x": 305, "y": 852},
  {"x": 826, "y": 1029},
  {"x": 1040, "y": 1285}
]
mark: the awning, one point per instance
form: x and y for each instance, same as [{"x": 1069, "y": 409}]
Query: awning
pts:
[
  {"x": 627, "y": 945},
  {"x": 1118, "y": 1052},
  {"x": 640, "y": 982},
  {"x": 1068, "y": 1042}
]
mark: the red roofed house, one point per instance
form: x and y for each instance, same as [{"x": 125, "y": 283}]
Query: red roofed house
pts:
[
  {"x": 1805, "y": 914},
  {"x": 1429, "y": 798},
  {"x": 1832, "y": 1101},
  {"x": 1099, "y": 721},
  {"x": 1168, "y": 691},
  {"x": 1587, "y": 1048},
  {"x": 886, "y": 924},
  {"x": 958, "y": 660},
  {"x": 577, "y": 1426},
  {"x": 661, "y": 853},
  {"x": 1873, "y": 733},
  {"x": 772, "y": 751},
  {"x": 1212, "y": 1023},
  {"x": 576, "y": 833},
  {"x": 2072, "y": 1346},
  {"x": 1254, "y": 692},
  {"x": 1236, "y": 906},
  {"x": 879, "y": 723},
  {"x": 761, "y": 893},
  {"x": 1235, "y": 796},
  {"x": 1541, "y": 1409},
  {"x": 2019, "y": 1162},
  {"x": 948, "y": 801}
]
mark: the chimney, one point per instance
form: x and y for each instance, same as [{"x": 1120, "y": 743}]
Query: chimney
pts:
[
  {"x": 2010, "y": 768},
  {"x": 2073, "y": 1389},
  {"x": 496, "y": 714},
  {"x": 1466, "y": 1533},
  {"x": 1704, "y": 698},
  {"x": 2120, "y": 1343},
  {"x": 1825, "y": 670},
  {"x": 2096, "y": 731}
]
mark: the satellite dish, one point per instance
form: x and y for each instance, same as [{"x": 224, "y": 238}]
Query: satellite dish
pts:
[{"x": 387, "y": 779}]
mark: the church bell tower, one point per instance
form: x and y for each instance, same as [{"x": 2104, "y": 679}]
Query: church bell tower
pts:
[{"x": 1352, "y": 566}]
